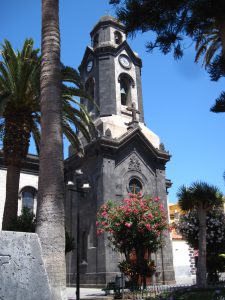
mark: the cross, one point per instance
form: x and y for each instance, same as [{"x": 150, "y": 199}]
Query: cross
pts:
[
  {"x": 134, "y": 113},
  {"x": 107, "y": 12}
]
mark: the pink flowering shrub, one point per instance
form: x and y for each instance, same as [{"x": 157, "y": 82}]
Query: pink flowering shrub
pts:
[{"x": 135, "y": 224}]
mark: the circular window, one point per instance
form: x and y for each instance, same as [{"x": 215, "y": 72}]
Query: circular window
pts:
[{"x": 135, "y": 186}]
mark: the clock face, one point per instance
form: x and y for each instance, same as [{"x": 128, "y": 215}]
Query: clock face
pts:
[
  {"x": 125, "y": 61},
  {"x": 89, "y": 65}
]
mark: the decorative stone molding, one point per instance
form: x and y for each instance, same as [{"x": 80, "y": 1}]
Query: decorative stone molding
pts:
[{"x": 134, "y": 163}]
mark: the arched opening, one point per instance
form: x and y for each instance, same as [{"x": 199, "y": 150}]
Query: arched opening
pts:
[
  {"x": 117, "y": 37},
  {"x": 90, "y": 88},
  {"x": 126, "y": 82},
  {"x": 28, "y": 200},
  {"x": 28, "y": 197},
  {"x": 95, "y": 41}
]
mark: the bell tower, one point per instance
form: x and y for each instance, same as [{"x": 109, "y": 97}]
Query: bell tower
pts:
[
  {"x": 111, "y": 71},
  {"x": 125, "y": 156}
]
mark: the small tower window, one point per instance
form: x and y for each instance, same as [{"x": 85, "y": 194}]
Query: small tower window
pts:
[
  {"x": 95, "y": 41},
  {"x": 90, "y": 88},
  {"x": 118, "y": 37},
  {"x": 125, "y": 90},
  {"x": 126, "y": 82}
]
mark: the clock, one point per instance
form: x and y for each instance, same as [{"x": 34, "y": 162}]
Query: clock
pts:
[
  {"x": 125, "y": 61},
  {"x": 89, "y": 65}
]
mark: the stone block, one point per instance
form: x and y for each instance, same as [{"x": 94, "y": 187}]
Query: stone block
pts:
[{"x": 22, "y": 272}]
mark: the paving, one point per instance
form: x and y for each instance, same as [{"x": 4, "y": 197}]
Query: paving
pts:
[{"x": 87, "y": 293}]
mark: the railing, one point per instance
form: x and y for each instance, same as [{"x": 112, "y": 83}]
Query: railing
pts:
[{"x": 159, "y": 289}]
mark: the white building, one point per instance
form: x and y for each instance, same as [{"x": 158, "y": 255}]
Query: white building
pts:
[{"x": 27, "y": 187}]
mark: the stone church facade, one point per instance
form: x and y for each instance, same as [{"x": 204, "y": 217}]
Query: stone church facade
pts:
[{"x": 125, "y": 156}]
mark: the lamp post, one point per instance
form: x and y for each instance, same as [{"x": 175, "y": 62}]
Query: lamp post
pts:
[{"x": 78, "y": 189}]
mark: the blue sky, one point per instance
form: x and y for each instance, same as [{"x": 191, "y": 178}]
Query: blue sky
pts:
[{"x": 177, "y": 94}]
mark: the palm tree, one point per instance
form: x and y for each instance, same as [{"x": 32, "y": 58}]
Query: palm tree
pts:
[
  {"x": 202, "y": 197},
  {"x": 19, "y": 81},
  {"x": 50, "y": 211},
  {"x": 21, "y": 94}
]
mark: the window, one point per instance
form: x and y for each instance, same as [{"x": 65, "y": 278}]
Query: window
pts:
[
  {"x": 92, "y": 236},
  {"x": 28, "y": 200},
  {"x": 117, "y": 37},
  {"x": 135, "y": 186},
  {"x": 124, "y": 91},
  {"x": 95, "y": 41},
  {"x": 126, "y": 82},
  {"x": 90, "y": 88}
]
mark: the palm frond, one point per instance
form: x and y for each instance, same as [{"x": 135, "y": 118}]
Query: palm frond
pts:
[
  {"x": 78, "y": 119},
  {"x": 219, "y": 106},
  {"x": 72, "y": 137},
  {"x": 208, "y": 45},
  {"x": 71, "y": 75}
]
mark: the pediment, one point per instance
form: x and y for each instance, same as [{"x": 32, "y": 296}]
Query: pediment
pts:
[{"x": 134, "y": 163}]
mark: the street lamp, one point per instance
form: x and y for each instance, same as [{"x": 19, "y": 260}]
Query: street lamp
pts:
[{"x": 78, "y": 189}]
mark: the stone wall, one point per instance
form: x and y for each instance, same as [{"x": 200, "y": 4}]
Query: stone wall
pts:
[{"x": 22, "y": 272}]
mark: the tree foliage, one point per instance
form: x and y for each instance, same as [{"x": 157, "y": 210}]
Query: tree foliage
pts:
[
  {"x": 202, "y": 197},
  {"x": 135, "y": 228},
  {"x": 188, "y": 226},
  {"x": 171, "y": 21},
  {"x": 199, "y": 195},
  {"x": 20, "y": 112}
]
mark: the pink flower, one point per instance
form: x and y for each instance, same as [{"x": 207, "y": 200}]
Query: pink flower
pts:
[
  {"x": 104, "y": 213},
  {"x": 150, "y": 216},
  {"x": 148, "y": 226},
  {"x": 128, "y": 224}
]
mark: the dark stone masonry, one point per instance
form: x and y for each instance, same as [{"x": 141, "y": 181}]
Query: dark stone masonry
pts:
[{"x": 125, "y": 155}]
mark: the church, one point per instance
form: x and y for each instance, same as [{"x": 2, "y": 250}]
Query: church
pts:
[{"x": 125, "y": 156}]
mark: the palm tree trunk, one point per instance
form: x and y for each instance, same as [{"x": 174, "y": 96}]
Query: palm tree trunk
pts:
[
  {"x": 12, "y": 188},
  {"x": 15, "y": 145},
  {"x": 50, "y": 214},
  {"x": 201, "y": 266}
]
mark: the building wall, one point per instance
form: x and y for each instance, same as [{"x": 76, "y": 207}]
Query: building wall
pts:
[
  {"x": 181, "y": 261},
  {"x": 25, "y": 181}
]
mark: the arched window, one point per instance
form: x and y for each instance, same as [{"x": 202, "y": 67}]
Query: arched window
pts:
[
  {"x": 95, "y": 41},
  {"x": 28, "y": 200},
  {"x": 135, "y": 186},
  {"x": 90, "y": 88},
  {"x": 126, "y": 82},
  {"x": 117, "y": 37}
]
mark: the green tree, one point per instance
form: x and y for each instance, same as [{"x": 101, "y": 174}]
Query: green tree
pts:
[
  {"x": 20, "y": 113},
  {"x": 19, "y": 82},
  {"x": 173, "y": 20},
  {"x": 135, "y": 227},
  {"x": 188, "y": 226},
  {"x": 201, "y": 197}
]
